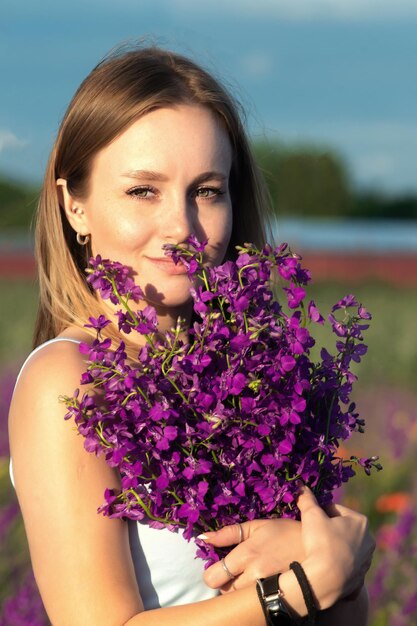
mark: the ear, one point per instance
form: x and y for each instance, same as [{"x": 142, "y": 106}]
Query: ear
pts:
[{"x": 73, "y": 208}]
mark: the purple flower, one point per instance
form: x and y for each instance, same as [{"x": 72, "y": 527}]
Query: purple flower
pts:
[
  {"x": 238, "y": 384},
  {"x": 112, "y": 279},
  {"x": 199, "y": 246},
  {"x": 98, "y": 323},
  {"x": 339, "y": 328},
  {"x": 221, "y": 428},
  {"x": 314, "y": 313},
  {"x": 294, "y": 295},
  {"x": 25, "y": 607},
  {"x": 347, "y": 301},
  {"x": 147, "y": 322},
  {"x": 191, "y": 260}
]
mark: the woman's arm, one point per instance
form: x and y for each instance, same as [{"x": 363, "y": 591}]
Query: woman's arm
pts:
[{"x": 81, "y": 560}]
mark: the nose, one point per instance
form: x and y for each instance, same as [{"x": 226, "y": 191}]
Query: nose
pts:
[{"x": 179, "y": 220}]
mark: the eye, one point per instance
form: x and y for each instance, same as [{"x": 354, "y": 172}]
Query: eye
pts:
[
  {"x": 145, "y": 192},
  {"x": 208, "y": 192}
]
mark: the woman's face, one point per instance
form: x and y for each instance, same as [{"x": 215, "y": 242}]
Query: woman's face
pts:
[{"x": 162, "y": 179}]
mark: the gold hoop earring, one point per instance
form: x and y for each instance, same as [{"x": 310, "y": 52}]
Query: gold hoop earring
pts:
[{"x": 83, "y": 240}]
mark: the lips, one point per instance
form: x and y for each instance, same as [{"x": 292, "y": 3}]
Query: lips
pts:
[{"x": 167, "y": 265}]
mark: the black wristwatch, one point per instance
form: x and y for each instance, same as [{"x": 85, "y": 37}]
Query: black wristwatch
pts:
[{"x": 270, "y": 596}]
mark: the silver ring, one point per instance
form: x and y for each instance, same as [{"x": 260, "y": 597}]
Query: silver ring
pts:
[
  {"x": 227, "y": 570},
  {"x": 240, "y": 533}
]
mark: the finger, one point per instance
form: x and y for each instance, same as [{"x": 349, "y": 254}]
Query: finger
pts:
[
  {"x": 246, "y": 579},
  {"x": 331, "y": 510},
  {"x": 308, "y": 504},
  {"x": 343, "y": 511},
  {"x": 216, "y": 576},
  {"x": 229, "y": 535},
  {"x": 229, "y": 587}
]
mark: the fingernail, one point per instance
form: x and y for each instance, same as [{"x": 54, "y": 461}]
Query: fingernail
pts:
[{"x": 202, "y": 537}]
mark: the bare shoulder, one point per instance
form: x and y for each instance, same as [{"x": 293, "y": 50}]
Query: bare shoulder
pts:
[
  {"x": 52, "y": 371},
  {"x": 76, "y": 553},
  {"x": 42, "y": 442}
]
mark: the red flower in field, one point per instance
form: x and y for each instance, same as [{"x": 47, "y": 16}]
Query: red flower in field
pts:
[{"x": 395, "y": 502}]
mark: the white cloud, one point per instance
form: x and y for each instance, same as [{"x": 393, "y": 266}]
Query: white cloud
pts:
[
  {"x": 9, "y": 141},
  {"x": 304, "y": 10}
]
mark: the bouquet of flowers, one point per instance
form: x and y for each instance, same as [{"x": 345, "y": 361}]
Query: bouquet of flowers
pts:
[{"x": 223, "y": 427}]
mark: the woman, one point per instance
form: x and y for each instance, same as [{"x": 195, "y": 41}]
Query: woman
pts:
[{"x": 150, "y": 150}]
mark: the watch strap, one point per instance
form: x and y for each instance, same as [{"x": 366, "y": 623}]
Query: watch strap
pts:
[{"x": 270, "y": 596}]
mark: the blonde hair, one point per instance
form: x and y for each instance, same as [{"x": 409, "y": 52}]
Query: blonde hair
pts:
[{"x": 119, "y": 90}]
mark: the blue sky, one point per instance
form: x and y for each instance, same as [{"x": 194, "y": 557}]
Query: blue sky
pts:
[{"x": 338, "y": 73}]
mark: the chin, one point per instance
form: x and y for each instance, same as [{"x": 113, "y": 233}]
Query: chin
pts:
[{"x": 167, "y": 301}]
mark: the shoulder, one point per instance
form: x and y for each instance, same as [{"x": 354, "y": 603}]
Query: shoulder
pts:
[
  {"x": 48, "y": 453},
  {"x": 36, "y": 416},
  {"x": 47, "y": 367},
  {"x": 54, "y": 361}
]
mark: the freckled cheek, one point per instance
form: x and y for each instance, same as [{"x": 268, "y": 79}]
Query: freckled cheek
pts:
[
  {"x": 135, "y": 235},
  {"x": 121, "y": 236}
]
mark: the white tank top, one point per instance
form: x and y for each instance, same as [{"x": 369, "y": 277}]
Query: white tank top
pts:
[{"x": 166, "y": 569}]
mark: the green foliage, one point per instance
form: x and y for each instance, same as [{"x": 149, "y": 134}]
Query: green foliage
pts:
[
  {"x": 18, "y": 304},
  {"x": 375, "y": 205},
  {"x": 307, "y": 181},
  {"x": 17, "y": 204},
  {"x": 392, "y": 356}
]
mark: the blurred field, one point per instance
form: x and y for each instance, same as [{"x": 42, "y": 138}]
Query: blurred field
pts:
[
  {"x": 386, "y": 398},
  {"x": 392, "y": 339},
  {"x": 18, "y": 310}
]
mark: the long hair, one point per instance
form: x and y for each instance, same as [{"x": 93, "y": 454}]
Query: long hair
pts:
[{"x": 118, "y": 91}]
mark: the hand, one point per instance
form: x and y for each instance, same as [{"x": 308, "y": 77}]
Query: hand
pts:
[
  {"x": 335, "y": 546},
  {"x": 338, "y": 548},
  {"x": 267, "y": 546}
]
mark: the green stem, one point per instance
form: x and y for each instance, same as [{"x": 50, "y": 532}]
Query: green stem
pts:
[
  {"x": 144, "y": 396},
  {"x": 179, "y": 392},
  {"x": 177, "y": 498},
  {"x": 148, "y": 512},
  {"x": 203, "y": 277},
  {"x": 126, "y": 400}
]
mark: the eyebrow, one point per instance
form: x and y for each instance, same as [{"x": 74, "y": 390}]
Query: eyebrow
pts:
[
  {"x": 145, "y": 174},
  {"x": 158, "y": 176}
]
